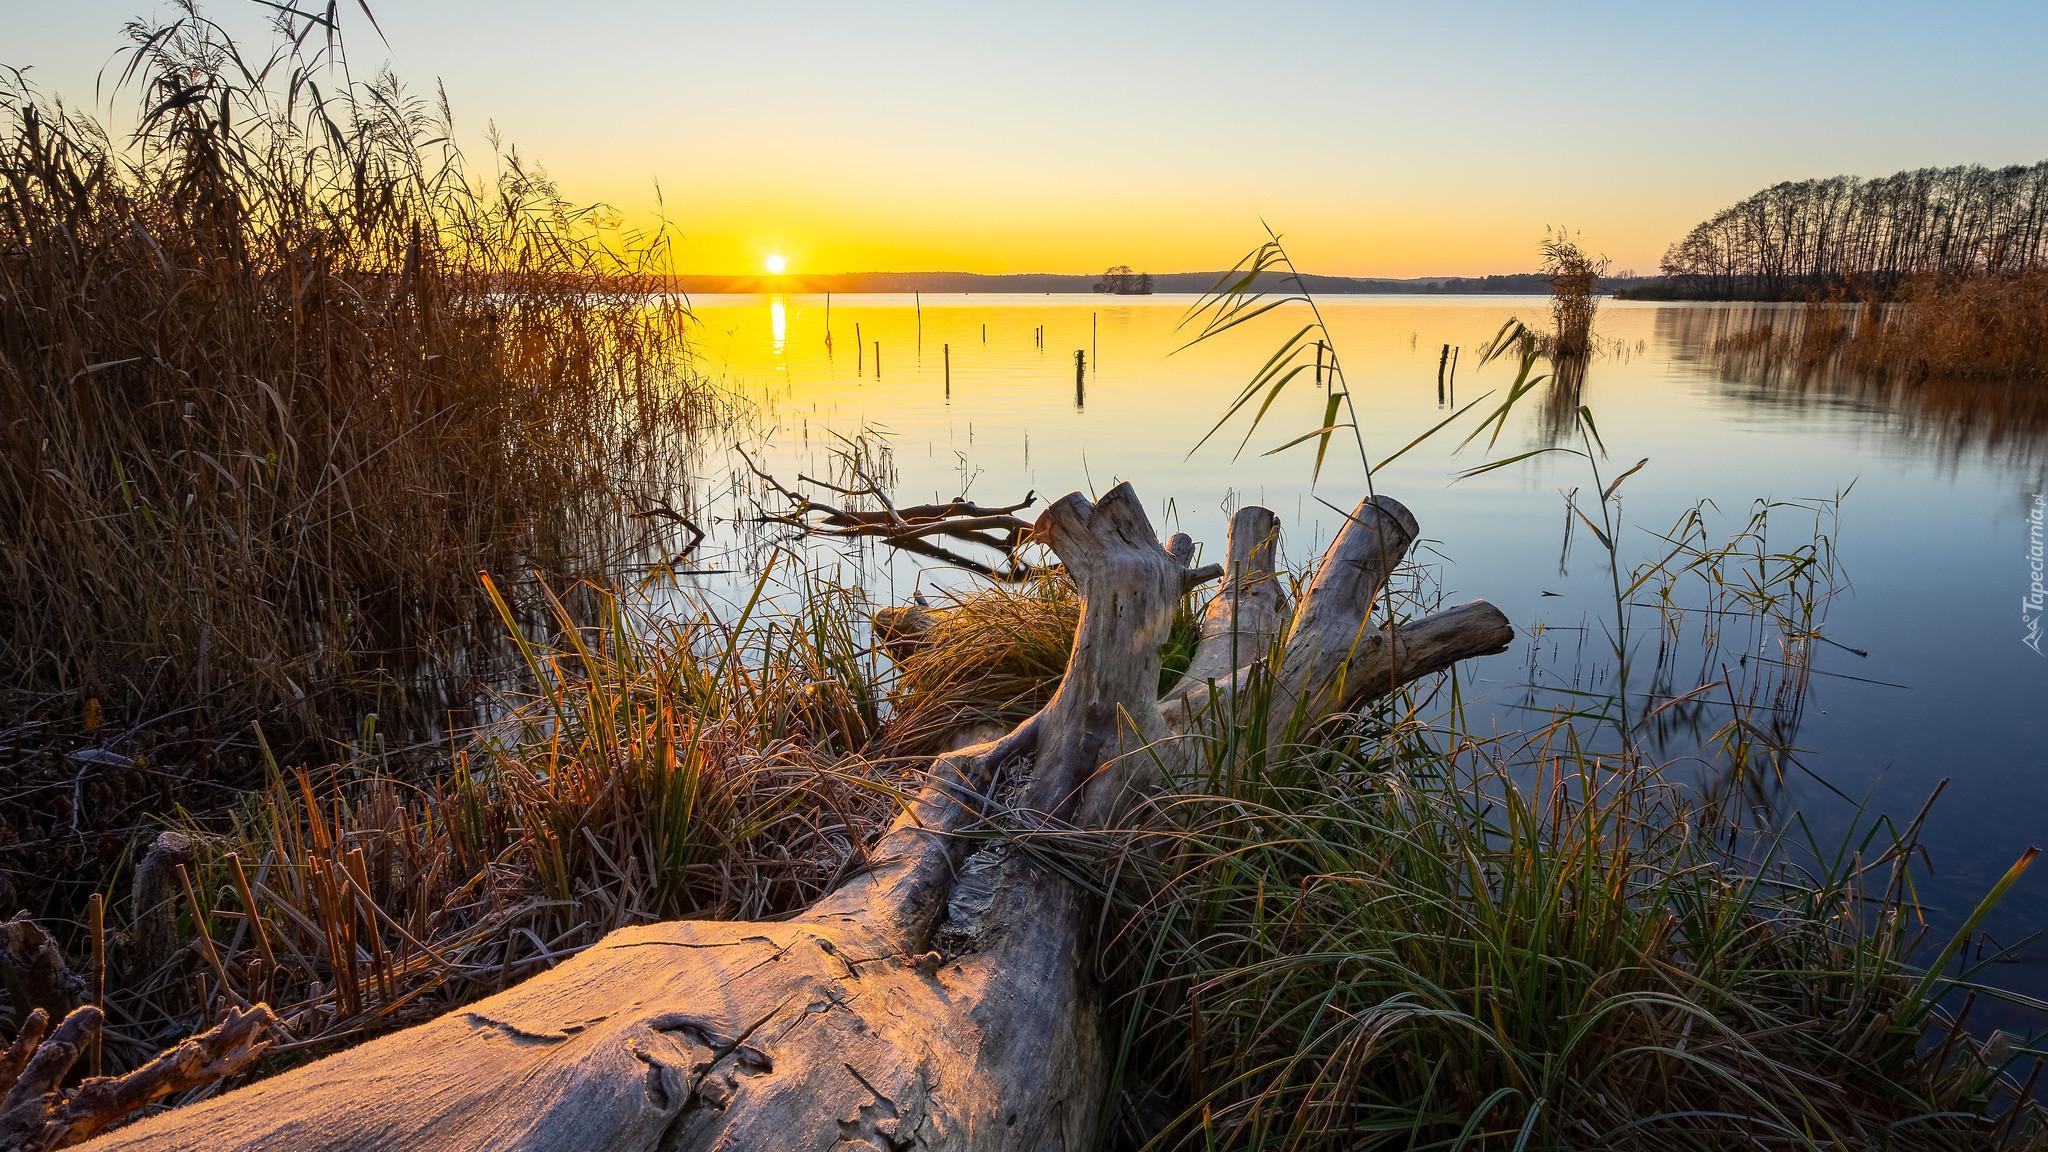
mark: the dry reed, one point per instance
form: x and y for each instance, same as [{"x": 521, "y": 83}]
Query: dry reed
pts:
[
  {"x": 279, "y": 374},
  {"x": 1574, "y": 277}
]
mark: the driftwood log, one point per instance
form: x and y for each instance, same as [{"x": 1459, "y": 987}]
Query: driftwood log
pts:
[{"x": 933, "y": 1001}]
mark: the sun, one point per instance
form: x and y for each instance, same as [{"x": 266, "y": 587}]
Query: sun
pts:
[{"x": 776, "y": 264}]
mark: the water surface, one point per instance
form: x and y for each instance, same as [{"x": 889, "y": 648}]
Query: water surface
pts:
[{"x": 979, "y": 395}]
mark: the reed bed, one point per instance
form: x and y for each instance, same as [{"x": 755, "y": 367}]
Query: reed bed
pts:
[
  {"x": 1978, "y": 326},
  {"x": 280, "y": 374},
  {"x": 1574, "y": 276},
  {"x": 1992, "y": 326}
]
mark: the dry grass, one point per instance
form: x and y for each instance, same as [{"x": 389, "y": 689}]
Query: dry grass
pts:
[
  {"x": 1980, "y": 326},
  {"x": 661, "y": 769},
  {"x": 993, "y": 654}
]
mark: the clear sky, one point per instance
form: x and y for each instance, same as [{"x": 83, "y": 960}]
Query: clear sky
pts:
[{"x": 1382, "y": 139}]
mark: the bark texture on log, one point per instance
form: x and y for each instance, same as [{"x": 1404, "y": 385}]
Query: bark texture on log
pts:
[
  {"x": 849, "y": 1028},
  {"x": 1248, "y": 611}
]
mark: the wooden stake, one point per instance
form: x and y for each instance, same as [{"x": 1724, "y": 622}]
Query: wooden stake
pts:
[
  {"x": 860, "y": 352},
  {"x": 99, "y": 969},
  {"x": 948, "y": 350}
]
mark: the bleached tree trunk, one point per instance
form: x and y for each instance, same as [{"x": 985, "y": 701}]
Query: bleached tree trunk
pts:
[{"x": 931, "y": 1002}]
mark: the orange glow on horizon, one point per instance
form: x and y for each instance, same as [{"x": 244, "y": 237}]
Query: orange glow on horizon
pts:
[{"x": 734, "y": 233}]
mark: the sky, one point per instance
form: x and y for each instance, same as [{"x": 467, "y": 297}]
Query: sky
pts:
[{"x": 1379, "y": 139}]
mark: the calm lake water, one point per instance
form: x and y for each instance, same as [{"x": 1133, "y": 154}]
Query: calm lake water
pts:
[{"x": 1932, "y": 534}]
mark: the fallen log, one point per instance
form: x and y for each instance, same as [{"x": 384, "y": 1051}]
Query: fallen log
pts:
[{"x": 932, "y": 1001}]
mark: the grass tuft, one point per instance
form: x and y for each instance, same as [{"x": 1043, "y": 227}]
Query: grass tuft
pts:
[{"x": 1408, "y": 939}]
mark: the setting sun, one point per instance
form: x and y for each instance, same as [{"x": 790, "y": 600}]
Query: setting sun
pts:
[{"x": 776, "y": 264}]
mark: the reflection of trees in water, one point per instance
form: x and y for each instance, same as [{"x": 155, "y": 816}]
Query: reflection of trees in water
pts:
[{"x": 1792, "y": 359}]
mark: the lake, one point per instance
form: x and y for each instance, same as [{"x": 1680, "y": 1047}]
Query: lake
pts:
[{"x": 979, "y": 394}]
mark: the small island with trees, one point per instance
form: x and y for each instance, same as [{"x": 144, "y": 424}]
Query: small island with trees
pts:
[{"x": 1121, "y": 281}]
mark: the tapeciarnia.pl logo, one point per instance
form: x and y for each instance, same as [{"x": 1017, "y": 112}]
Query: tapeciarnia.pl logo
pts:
[{"x": 2031, "y": 606}]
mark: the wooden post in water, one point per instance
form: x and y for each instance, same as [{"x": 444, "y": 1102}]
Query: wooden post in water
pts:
[
  {"x": 1319, "y": 361},
  {"x": 948, "y": 350},
  {"x": 878, "y": 359},
  {"x": 1094, "y": 336},
  {"x": 1080, "y": 378},
  {"x": 984, "y": 333},
  {"x": 917, "y": 300},
  {"x": 860, "y": 350},
  {"x": 1441, "y": 360}
]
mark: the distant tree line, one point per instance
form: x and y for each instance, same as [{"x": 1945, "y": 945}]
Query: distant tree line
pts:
[
  {"x": 1521, "y": 283},
  {"x": 1864, "y": 237}
]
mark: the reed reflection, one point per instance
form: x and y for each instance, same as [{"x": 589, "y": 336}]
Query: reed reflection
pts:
[{"x": 1797, "y": 360}]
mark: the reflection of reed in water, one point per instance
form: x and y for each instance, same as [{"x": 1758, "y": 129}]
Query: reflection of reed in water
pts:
[
  {"x": 1815, "y": 357},
  {"x": 1740, "y": 619},
  {"x": 1557, "y": 418},
  {"x": 1570, "y": 344}
]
